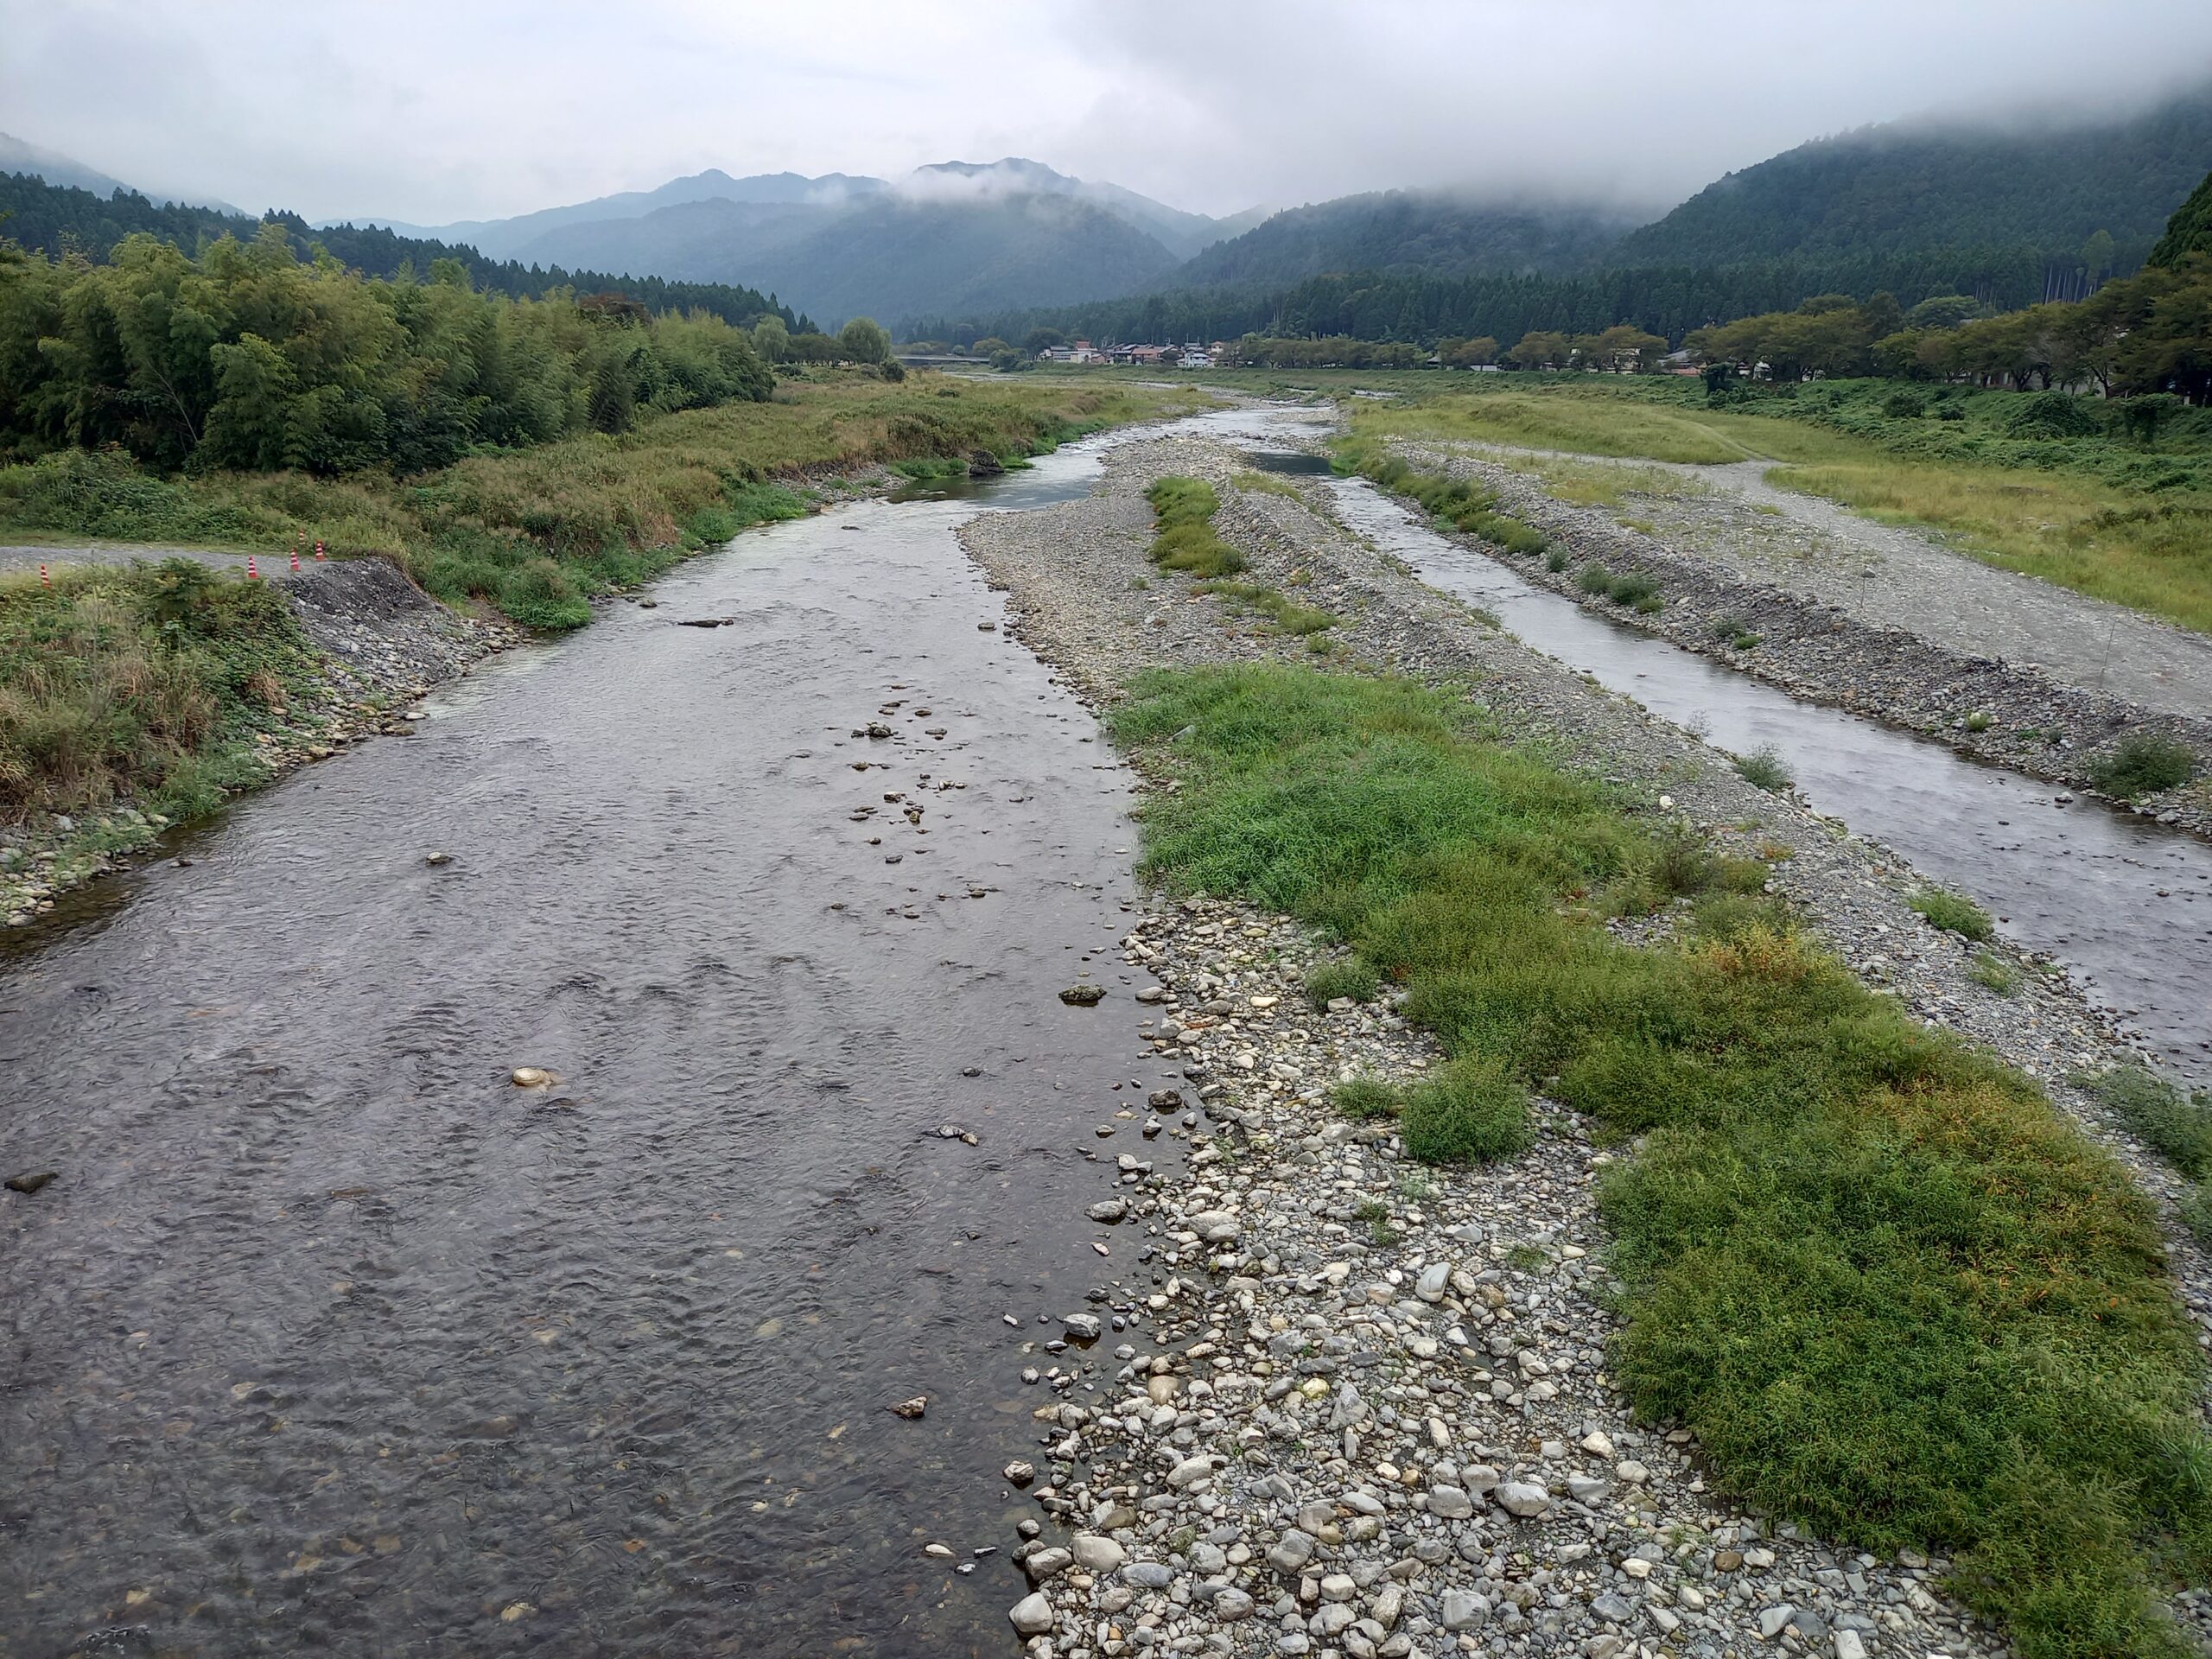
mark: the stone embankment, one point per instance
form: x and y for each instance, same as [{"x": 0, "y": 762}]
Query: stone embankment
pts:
[
  {"x": 383, "y": 644},
  {"x": 1339, "y": 1404},
  {"x": 1910, "y": 670}
]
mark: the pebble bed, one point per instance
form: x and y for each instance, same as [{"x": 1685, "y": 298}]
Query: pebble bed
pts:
[{"x": 1346, "y": 1405}]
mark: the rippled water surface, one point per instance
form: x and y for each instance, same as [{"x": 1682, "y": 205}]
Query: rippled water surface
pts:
[
  {"x": 329, "y": 1339},
  {"x": 2125, "y": 904}
]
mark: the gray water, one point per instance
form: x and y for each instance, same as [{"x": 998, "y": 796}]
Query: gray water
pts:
[
  {"x": 2123, "y": 903},
  {"x": 329, "y": 1339}
]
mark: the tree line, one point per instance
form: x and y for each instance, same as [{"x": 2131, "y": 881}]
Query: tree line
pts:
[
  {"x": 1417, "y": 307},
  {"x": 248, "y": 357},
  {"x": 63, "y": 219}
]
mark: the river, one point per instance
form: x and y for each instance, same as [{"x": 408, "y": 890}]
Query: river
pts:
[{"x": 330, "y": 1339}]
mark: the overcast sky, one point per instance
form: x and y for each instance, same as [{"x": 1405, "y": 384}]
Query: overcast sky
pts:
[{"x": 463, "y": 109}]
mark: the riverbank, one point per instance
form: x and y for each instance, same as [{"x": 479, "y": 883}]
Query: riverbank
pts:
[
  {"x": 1759, "y": 596},
  {"x": 535, "y": 532},
  {"x": 541, "y": 536},
  {"x": 343, "y": 651},
  {"x": 1467, "y": 1498}
]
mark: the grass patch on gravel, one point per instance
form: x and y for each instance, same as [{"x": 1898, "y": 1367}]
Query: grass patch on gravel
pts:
[
  {"x": 1183, "y": 511},
  {"x": 1458, "y": 503},
  {"x": 1954, "y": 913},
  {"x": 1899, "y": 1298}
]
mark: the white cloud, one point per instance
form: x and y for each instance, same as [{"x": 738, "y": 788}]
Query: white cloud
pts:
[{"x": 436, "y": 112}]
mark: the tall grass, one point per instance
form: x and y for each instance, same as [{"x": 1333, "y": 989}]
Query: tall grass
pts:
[
  {"x": 1898, "y": 1297},
  {"x": 139, "y": 682}
]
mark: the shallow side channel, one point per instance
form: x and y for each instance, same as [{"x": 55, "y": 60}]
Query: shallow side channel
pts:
[
  {"x": 2125, "y": 904},
  {"x": 329, "y": 1339}
]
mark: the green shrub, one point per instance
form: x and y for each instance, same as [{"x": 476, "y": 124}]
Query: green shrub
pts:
[
  {"x": 1631, "y": 590},
  {"x": 1978, "y": 721},
  {"x": 1763, "y": 768},
  {"x": 1472, "y": 1112},
  {"x": 1993, "y": 973},
  {"x": 2196, "y": 1214},
  {"x": 1953, "y": 912},
  {"x": 2175, "y": 1125},
  {"x": 1595, "y": 580},
  {"x": 540, "y": 595},
  {"x": 2142, "y": 764},
  {"x": 1346, "y": 976},
  {"x": 1555, "y": 561},
  {"x": 1365, "y": 1097}
]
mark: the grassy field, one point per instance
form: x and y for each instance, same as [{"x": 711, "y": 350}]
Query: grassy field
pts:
[
  {"x": 1899, "y": 1297},
  {"x": 535, "y": 531},
  {"x": 2086, "y": 512}
]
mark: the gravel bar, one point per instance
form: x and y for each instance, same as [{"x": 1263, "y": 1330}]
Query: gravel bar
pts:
[{"x": 1337, "y": 1403}]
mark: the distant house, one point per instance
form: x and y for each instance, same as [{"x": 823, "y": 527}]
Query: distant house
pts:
[{"x": 1195, "y": 358}]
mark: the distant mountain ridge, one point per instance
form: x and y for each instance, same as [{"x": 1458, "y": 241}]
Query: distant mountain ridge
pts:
[
  {"x": 17, "y": 157},
  {"x": 1392, "y": 230},
  {"x": 953, "y": 236},
  {"x": 1911, "y": 186}
]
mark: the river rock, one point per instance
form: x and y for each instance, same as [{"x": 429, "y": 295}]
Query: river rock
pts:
[
  {"x": 1097, "y": 1554},
  {"x": 1524, "y": 1498},
  {"x": 1031, "y": 1615},
  {"x": 1109, "y": 1210},
  {"x": 530, "y": 1077},
  {"x": 1462, "y": 1610},
  {"x": 1232, "y": 1604},
  {"x": 1450, "y": 1504},
  {"x": 1043, "y": 1564},
  {"x": 911, "y": 1408},
  {"x": 1083, "y": 996},
  {"x": 1020, "y": 1472},
  {"x": 1290, "y": 1551},
  {"x": 29, "y": 1181},
  {"x": 1082, "y": 1327}
]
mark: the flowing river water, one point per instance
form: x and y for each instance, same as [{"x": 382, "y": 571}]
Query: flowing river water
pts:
[
  {"x": 2125, "y": 904},
  {"x": 328, "y": 1337}
]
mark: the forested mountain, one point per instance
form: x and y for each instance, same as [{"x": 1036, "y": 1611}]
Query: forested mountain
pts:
[
  {"x": 1398, "y": 230},
  {"x": 1917, "y": 186},
  {"x": 508, "y": 238},
  {"x": 2190, "y": 231},
  {"x": 56, "y": 220},
  {"x": 958, "y": 236}
]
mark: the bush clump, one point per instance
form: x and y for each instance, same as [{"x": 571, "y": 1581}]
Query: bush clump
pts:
[
  {"x": 1365, "y": 1097},
  {"x": 2177, "y": 1126},
  {"x": 1953, "y": 913},
  {"x": 1764, "y": 768},
  {"x": 2142, "y": 764},
  {"x": 1471, "y": 1113},
  {"x": 1348, "y": 977}
]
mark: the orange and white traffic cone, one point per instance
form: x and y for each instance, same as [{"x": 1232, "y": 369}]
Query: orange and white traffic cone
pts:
[
  {"x": 296, "y": 558},
  {"x": 321, "y": 556},
  {"x": 252, "y": 570},
  {"x": 44, "y": 580}
]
